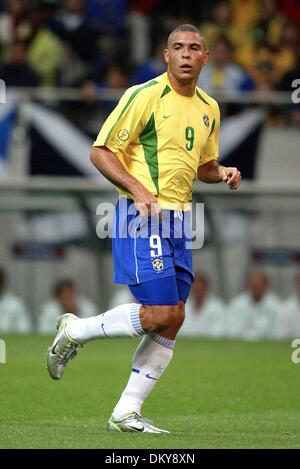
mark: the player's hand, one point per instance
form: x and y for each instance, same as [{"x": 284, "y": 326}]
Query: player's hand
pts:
[
  {"x": 231, "y": 176},
  {"x": 146, "y": 203}
]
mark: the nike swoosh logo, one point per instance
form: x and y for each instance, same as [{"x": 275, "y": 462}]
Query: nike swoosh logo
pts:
[
  {"x": 136, "y": 429},
  {"x": 151, "y": 377},
  {"x": 54, "y": 345},
  {"x": 166, "y": 117},
  {"x": 104, "y": 331}
]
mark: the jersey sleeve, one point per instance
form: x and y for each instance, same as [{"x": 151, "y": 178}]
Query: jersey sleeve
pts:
[
  {"x": 211, "y": 149},
  {"x": 125, "y": 123}
]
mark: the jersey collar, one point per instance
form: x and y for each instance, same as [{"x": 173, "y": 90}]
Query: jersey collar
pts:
[{"x": 166, "y": 79}]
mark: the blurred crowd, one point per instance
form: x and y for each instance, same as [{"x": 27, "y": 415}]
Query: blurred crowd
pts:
[
  {"x": 257, "y": 313},
  {"x": 117, "y": 43},
  {"x": 254, "y": 314}
]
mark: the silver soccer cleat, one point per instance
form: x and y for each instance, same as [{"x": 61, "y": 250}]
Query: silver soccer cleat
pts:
[
  {"x": 133, "y": 423},
  {"x": 63, "y": 348}
]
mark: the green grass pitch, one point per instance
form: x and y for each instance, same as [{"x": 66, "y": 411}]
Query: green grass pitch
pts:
[{"x": 215, "y": 394}]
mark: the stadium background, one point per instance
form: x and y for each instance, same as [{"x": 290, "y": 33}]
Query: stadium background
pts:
[{"x": 65, "y": 64}]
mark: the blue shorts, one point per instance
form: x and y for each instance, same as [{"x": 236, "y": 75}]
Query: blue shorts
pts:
[{"x": 152, "y": 256}]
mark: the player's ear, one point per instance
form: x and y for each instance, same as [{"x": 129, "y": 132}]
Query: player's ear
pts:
[
  {"x": 166, "y": 55},
  {"x": 206, "y": 56}
]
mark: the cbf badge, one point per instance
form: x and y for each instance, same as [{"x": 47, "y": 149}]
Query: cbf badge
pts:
[
  {"x": 157, "y": 264},
  {"x": 206, "y": 120}
]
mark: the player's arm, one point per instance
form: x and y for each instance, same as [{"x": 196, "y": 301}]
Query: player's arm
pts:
[
  {"x": 123, "y": 126},
  {"x": 212, "y": 172},
  {"x": 209, "y": 170},
  {"x": 112, "y": 169}
]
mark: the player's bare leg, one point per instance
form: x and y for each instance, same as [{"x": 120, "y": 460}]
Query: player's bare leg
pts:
[
  {"x": 150, "y": 360},
  {"x": 166, "y": 320},
  {"x": 159, "y": 323}
]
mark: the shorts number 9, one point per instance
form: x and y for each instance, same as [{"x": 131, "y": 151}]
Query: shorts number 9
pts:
[{"x": 155, "y": 244}]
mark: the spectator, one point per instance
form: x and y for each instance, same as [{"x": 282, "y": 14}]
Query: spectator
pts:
[
  {"x": 262, "y": 70},
  {"x": 269, "y": 28},
  {"x": 74, "y": 29},
  {"x": 286, "y": 55},
  {"x": 269, "y": 63},
  {"x": 152, "y": 67},
  {"x": 246, "y": 13},
  {"x": 44, "y": 49},
  {"x": 13, "y": 314},
  {"x": 221, "y": 73},
  {"x": 220, "y": 25},
  {"x": 139, "y": 29},
  {"x": 286, "y": 81},
  {"x": 295, "y": 116},
  {"x": 253, "y": 314},
  {"x": 65, "y": 300},
  {"x": 289, "y": 321},
  {"x": 108, "y": 16},
  {"x": 204, "y": 311},
  {"x": 71, "y": 71},
  {"x": 17, "y": 72},
  {"x": 9, "y": 22},
  {"x": 115, "y": 77},
  {"x": 258, "y": 22}
]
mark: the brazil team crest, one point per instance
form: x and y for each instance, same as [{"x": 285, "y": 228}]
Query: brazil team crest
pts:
[
  {"x": 206, "y": 120},
  {"x": 157, "y": 264}
]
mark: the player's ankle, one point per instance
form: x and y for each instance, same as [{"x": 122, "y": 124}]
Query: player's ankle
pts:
[
  {"x": 72, "y": 331},
  {"x": 120, "y": 413}
]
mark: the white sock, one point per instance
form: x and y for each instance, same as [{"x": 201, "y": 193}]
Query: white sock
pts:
[
  {"x": 122, "y": 321},
  {"x": 150, "y": 360}
]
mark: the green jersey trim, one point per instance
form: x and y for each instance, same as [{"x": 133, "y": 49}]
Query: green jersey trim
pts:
[
  {"x": 212, "y": 127},
  {"x": 200, "y": 97},
  {"x": 147, "y": 85},
  {"x": 148, "y": 139},
  {"x": 166, "y": 90}
]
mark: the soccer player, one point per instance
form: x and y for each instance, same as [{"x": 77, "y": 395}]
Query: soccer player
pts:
[{"x": 161, "y": 136}]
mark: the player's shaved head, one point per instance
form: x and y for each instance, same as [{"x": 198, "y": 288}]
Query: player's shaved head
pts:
[
  {"x": 185, "y": 55},
  {"x": 185, "y": 28}
]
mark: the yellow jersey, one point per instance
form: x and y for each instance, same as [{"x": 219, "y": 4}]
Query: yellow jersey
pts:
[{"x": 162, "y": 137}]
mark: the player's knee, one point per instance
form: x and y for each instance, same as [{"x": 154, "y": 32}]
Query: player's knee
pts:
[
  {"x": 181, "y": 315},
  {"x": 160, "y": 318},
  {"x": 168, "y": 317}
]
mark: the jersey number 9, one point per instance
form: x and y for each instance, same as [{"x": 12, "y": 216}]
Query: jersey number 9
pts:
[{"x": 189, "y": 136}]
